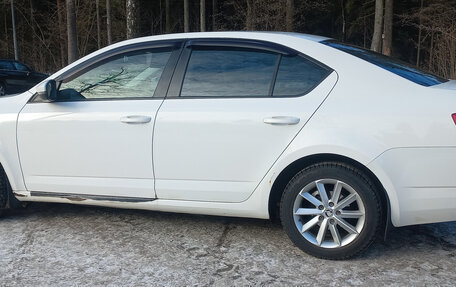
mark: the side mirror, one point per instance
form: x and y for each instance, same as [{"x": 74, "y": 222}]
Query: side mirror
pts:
[{"x": 47, "y": 91}]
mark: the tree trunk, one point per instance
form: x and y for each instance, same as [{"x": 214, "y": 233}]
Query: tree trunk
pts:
[
  {"x": 388, "y": 29},
  {"x": 61, "y": 33},
  {"x": 420, "y": 28},
  {"x": 6, "y": 30},
  {"x": 108, "y": 21},
  {"x": 186, "y": 17},
  {"x": 249, "y": 17},
  {"x": 168, "y": 16},
  {"x": 376, "y": 44},
  {"x": 214, "y": 15},
  {"x": 290, "y": 15},
  {"x": 97, "y": 3},
  {"x": 72, "y": 32},
  {"x": 342, "y": 3},
  {"x": 202, "y": 15},
  {"x": 33, "y": 26},
  {"x": 431, "y": 50},
  {"x": 13, "y": 20},
  {"x": 132, "y": 10}
]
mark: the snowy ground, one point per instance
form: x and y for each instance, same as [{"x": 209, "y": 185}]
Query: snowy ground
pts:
[{"x": 64, "y": 245}]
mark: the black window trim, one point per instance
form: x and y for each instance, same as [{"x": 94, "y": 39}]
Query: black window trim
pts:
[
  {"x": 162, "y": 86},
  {"x": 177, "y": 80}
]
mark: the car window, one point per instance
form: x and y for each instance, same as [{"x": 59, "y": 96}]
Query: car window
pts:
[
  {"x": 298, "y": 76},
  {"x": 130, "y": 75},
  {"x": 6, "y": 65},
  {"x": 395, "y": 66},
  {"x": 21, "y": 67},
  {"x": 229, "y": 72}
]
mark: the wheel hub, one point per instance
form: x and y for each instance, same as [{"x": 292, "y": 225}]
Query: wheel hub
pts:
[{"x": 329, "y": 213}]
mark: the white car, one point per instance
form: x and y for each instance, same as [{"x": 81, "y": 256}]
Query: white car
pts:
[{"x": 336, "y": 140}]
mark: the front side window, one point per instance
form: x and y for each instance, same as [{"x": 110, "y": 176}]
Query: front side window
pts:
[
  {"x": 229, "y": 72},
  {"x": 298, "y": 76},
  {"x": 129, "y": 75}
]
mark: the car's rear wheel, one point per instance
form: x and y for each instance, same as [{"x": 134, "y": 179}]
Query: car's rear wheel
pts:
[
  {"x": 331, "y": 210},
  {"x": 2, "y": 89}
]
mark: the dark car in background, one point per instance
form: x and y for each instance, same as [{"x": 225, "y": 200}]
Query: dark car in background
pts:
[{"x": 16, "y": 77}]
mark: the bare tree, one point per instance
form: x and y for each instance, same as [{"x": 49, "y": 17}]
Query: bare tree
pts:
[
  {"x": 108, "y": 21},
  {"x": 290, "y": 15},
  {"x": 132, "y": 10},
  {"x": 97, "y": 4},
  {"x": 168, "y": 16},
  {"x": 72, "y": 32},
  {"x": 202, "y": 15},
  {"x": 420, "y": 29},
  {"x": 61, "y": 33},
  {"x": 249, "y": 16},
  {"x": 378, "y": 27},
  {"x": 186, "y": 17},
  {"x": 214, "y": 15},
  {"x": 13, "y": 20},
  {"x": 388, "y": 28}
]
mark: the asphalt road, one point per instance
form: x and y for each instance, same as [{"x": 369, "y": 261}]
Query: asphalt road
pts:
[{"x": 65, "y": 245}]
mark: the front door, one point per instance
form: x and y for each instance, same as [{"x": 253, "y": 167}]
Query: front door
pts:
[{"x": 96, "y": 139}]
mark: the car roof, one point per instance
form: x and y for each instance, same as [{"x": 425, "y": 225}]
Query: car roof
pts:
[{"x": 225, "y": 34}]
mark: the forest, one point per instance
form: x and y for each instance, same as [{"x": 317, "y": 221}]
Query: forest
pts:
[{"x": 53, "y": 33}]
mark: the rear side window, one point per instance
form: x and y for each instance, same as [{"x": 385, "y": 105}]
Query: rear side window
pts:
[
  {"x": 297, "y": 76},
  {"x": 21, "y": 67},
  {"x": 229, "y": 72},
  {"x": 395, "y": 66}
]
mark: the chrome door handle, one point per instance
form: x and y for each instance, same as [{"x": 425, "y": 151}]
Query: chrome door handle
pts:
[
  {"x": 136, "y": 119},
  {"x": 282, "y": 121}
]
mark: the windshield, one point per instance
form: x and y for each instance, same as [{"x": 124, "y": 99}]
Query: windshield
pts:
[{"x": 395, "y": 66}]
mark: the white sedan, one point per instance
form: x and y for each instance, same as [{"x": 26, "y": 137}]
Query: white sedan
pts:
[{"x": 336, "y": 140}]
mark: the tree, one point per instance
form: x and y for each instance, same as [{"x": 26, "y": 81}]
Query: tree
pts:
[
  {"x": 214, "y": 15},
  {"x": 168, "y": 16},
  {"x": 290, "y": 15},
  {"x": 202, "y": 15},
  {"x": 97, "y": 3},
  {"x": 186, "y": 17},
  {"x": 249, "y": 16},
  {"x": 108, "y": 21},
  {"x": 378, "y": 27},
  {"x": 132, "y": 9},
  {"x": 72, "y": 32},
  {"x": 61, "y": 33},
  {"x": 388, "y": 28}
]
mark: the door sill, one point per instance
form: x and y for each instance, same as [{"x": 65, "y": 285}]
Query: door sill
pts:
[{"x": 82, "y": 197}]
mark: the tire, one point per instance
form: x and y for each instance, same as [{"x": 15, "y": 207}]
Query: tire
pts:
[
  {"x": 3, "y": 191},
  {"x": 338, "y": 226},
  {"x": 2, "y": 89}
]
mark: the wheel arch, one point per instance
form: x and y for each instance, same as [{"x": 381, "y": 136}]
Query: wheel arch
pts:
[{"x": 293, "y": 168}]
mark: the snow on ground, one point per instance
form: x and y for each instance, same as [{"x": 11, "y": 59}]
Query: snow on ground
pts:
[{"x": 65, "y": 245}]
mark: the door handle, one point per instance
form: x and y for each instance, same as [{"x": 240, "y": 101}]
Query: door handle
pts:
[
  {"x": 282, "y": 121},
  {"x": 136, "y": 119}
]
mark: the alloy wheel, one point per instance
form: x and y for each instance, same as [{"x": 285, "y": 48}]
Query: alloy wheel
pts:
[{"x": 329, "y": 213}]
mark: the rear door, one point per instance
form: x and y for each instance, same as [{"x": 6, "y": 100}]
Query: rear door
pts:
[{"x": 232, "y": 109}]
